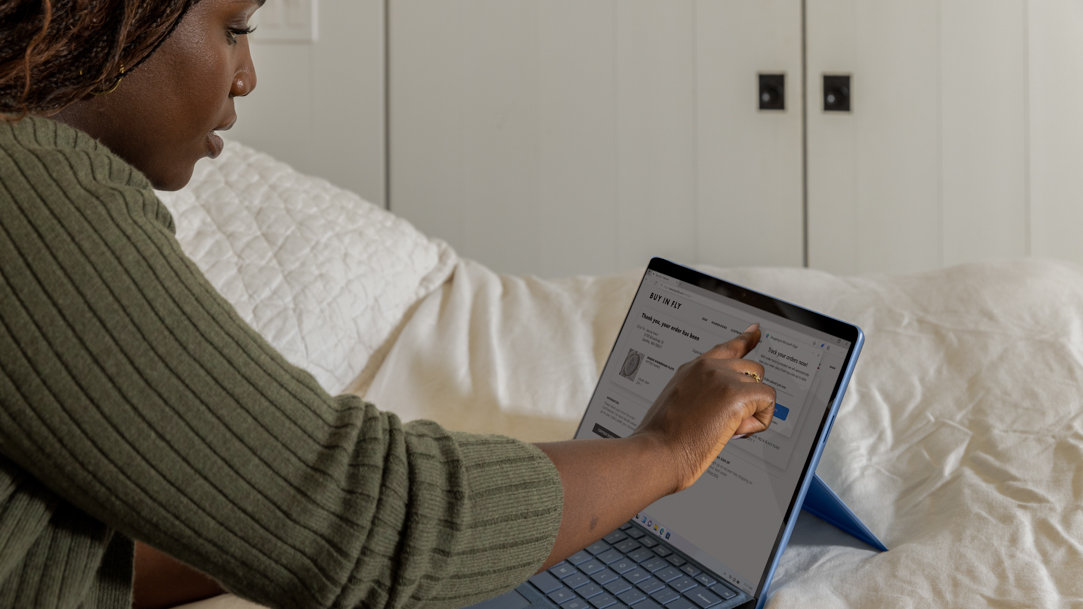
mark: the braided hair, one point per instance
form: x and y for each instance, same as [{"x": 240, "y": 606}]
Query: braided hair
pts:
[{"x": 56, "y": 52}]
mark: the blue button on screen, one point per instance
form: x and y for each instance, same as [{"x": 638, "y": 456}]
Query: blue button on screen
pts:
[{"x": 781, "y": 412}]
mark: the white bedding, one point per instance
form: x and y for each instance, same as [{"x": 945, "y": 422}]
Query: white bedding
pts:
[{"x": 960, "y": 442}]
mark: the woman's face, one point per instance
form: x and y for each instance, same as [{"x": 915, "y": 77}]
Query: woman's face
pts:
[{"x": 163, "y": 115}]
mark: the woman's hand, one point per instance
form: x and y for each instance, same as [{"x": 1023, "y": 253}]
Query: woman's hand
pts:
[
  {"x": 708, "y": 401},
  {"x": 606, "y": 481}
]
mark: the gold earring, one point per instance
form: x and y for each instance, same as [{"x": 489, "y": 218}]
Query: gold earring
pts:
[{"x": 115, "y": 84}]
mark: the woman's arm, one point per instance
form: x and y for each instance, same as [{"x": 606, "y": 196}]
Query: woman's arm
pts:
[
  {"x": 605, "y": 481},
  {"x": 163, "y": 581}
]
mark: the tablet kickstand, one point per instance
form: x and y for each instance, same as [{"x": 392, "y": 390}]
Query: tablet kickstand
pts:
[{"x": 822, "y": 502}]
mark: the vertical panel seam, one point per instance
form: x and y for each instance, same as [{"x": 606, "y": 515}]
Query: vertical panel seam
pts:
[
  {"x": 387, "y": 102},
  {"x": 804, "y": 138},
  {"x": 1028, "y": 226},
  {"x": 694, "y": 142},
  {"x": 941, "y": 233},
  {"x": 617, "y": 228}
]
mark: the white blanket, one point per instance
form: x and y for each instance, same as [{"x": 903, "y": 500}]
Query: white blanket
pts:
[{"x": 960, "y": 442}]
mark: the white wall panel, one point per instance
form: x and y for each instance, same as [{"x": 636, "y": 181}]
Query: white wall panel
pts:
[
  {"x": 656, "y": 131},
  {"x": 1056, "y": 127},
  {"x": 983, "y": 124},
  {"x": 319, "y": 105},
  {"x": 503, "y": 129}
]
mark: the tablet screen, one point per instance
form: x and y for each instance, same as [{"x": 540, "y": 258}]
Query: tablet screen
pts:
[{"x": 733, "y": 519}]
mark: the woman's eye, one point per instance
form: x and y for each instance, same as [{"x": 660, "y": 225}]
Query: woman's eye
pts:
[{"x": 234, "y": 32}]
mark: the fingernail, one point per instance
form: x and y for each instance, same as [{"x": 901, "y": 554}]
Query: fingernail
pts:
[{"x": 751, "y": 328}]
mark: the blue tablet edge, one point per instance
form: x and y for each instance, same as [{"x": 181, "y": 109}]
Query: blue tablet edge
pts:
[{"x": 825, "y": 504}]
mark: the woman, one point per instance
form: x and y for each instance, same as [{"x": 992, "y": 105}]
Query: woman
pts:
[{"x": 138, "y": 406}]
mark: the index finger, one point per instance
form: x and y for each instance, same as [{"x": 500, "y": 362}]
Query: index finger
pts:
[{"x": 738, "y": 346}]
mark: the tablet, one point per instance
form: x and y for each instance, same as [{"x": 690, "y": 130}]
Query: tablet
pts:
[{"x": 716, "y": 544}]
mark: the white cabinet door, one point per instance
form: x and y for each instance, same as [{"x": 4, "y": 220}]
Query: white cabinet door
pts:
[
  {"x": 560, "y": 137},
  {"x": 930, "y": 166},
  {"x": 748, "y": 162}
]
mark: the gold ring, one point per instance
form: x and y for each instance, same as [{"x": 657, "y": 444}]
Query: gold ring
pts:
[{"x": 759, "y": 379}]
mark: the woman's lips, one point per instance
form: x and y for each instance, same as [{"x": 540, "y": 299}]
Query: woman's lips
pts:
[{"x": 215, "y": 144}]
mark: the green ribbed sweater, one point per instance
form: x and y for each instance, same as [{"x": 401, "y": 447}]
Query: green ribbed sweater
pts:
[{"x": 136, "y": 404}]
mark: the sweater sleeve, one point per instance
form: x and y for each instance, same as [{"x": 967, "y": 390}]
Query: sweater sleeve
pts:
[{"x": 136, "y": 393}]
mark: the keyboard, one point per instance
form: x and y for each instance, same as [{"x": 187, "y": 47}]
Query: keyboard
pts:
[{"x": 628, "y": 568}]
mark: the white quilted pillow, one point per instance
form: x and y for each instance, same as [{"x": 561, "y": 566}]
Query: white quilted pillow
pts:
[{"x": 325, "y": 276}]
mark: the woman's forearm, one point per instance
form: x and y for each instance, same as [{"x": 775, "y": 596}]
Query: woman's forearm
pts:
[
  {"x": 605, "y": 483},
  {"x": 162, "y": 581}
]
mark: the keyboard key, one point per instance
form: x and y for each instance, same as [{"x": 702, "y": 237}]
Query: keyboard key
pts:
[
  {"x": 589, "y": 590},
  {"x": 579, "y": 557},
  {"x": 610, "y": 557},
  {"x": 617, "y": 586},
  {"x": 576, "y": 603},
  {"x": 676, "y": 560},
  {"x": 592, "y": 566},
  {"x": 576, "y": 580},
  {"x": 532, "y": 594},
  {"x": 669, "y": 573},
  {"x": 649, "y": 604},
  {"x": 650, "y": 542},
  {"x": 665, "y": 595},
  {"x": 650, "y": 584},
  {"x": 637, "y": 575},
  {"x": 662, "y": 551},
  {"x": 603, "y": 600},
  {"x": 641, "y": 554},
  {"x": 631, "y": 596},
  {"x": 723, "y": 591},
  {"x": 691, "y": 570},
  {"x": 598, "y": 547},
  {"x": 706, "y": 580},
  {"x": 681, "y": 603},
  {"x": 655, "y": 564},
  {"x": 626, "y": 526},
  {"x": 683, "y": 583},
  {"x": 545, "y": 582},
  {"x": 615, "y": 537},
  {"x": 604, "y": 576},
  {"x": 634, "y": 532},
  {"x": 703, "y": 597},
  {"x": 561, "y": 595},
  {"x": 628, "y": 545},
  {"x": 563, "y": 569},
  {"x": 623, "y": 565}
]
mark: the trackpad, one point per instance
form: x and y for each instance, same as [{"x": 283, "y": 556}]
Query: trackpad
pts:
[{"x": 508, "y": 600}]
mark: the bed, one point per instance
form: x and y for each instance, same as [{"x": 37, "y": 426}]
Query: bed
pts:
[{"x": 960, "y": 441}]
